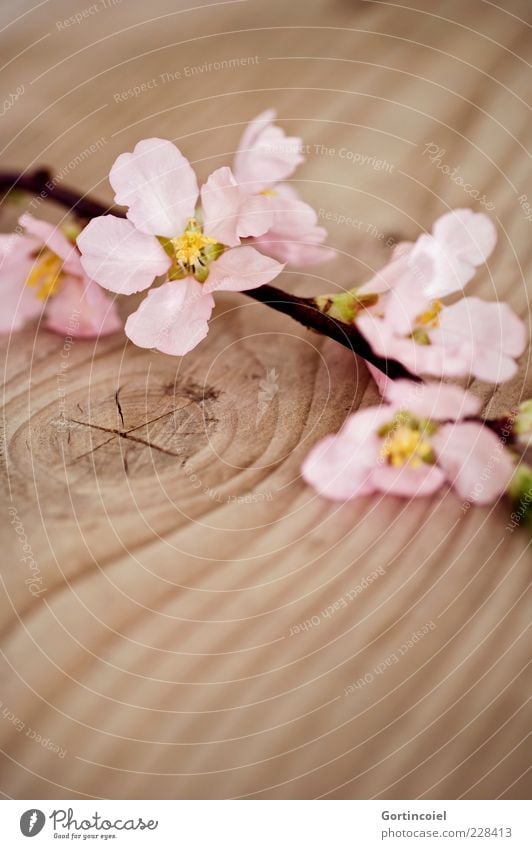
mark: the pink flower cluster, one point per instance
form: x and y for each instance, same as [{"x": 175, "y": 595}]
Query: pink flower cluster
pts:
[
  {"x": 410, "y": 323},
  {"x": 423, "y": 435},
  {"x": 247, "y": 226},
  {"x": 41, "y": 275},
  {"x": 411, "y": 445},
  {"x": 199, "y": 249}
]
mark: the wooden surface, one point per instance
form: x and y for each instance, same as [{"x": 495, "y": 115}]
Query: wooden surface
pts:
[{"x": 175, "y": 559}]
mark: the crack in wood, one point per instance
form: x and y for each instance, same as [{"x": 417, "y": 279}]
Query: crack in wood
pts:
[{"x": 125, "y": 434}]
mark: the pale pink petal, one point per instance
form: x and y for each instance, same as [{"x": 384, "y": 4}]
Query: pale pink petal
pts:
[
  {"x": 119, "y": 257},
  {"x": 256, "y": 216},
  {"x": 406, "y": 481},
  {"x": 265, "y": 154},
  {"x": 470, "y": 235},
  {"x": 439, "y": 401},
  {"x": 301, "y": 254},
  {"x": 158, "y": 185},
  {"x": 380, "y": 378},
  {"x": 365, "y": 423},
  {"x": 54, "y": 239},
  {"x": 81, "y": 309},
  {"x": 240, "y": 269},
  {"x": 486, "y": 336},
  {"x": 390, "y": 275},
  {"x": 173, "y": 318},
  {"x": 340, "y": 470},
  {"x": 475, "y": 461},
  {"x": 15, "y": 247},
  {"x": 231, "y": 213},
  {"x": 19, "y": 303},
  {"x": 462, "y": 240}
]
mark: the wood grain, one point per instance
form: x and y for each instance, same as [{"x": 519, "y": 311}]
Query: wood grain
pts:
[{"x": 199, "y": 619}]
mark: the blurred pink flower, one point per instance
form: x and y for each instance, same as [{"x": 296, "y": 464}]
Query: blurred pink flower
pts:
[
  {"x": 164, "y": 235},
  {"x": 410, "y": 323},
  {"x": 265, "y": 157},
  {"x": 40, "y": 272},
  {"x": 411, "y": 445}
]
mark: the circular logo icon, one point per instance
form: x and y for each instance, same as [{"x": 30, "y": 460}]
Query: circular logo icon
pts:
[{"x": 32, "y": 822}]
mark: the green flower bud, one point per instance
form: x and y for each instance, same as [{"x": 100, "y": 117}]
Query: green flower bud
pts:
[{"x": 345, "y": 306}]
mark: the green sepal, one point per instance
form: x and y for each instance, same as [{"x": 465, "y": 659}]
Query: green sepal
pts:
[
  {"x": 520, "y": 491},
  {"x": 345, "y": 306}
]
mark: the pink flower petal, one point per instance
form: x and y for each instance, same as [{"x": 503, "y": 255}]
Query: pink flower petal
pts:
[
  {"x": 81, "y": 309},
  {"x": 231, "y": 213},
  {"x": 435, "y": 360},
  {"x": 475, "y": 461},
  {"x": 295, "y": 235},
  {"x": 240, "y": 269},
  {"x": 381, "y": 379},
  {"x": 391, "y": 274},
  {"x": 256, "y": 216},
  {"x": 54, "y": 239},
  {"x": 438, "y": 401},
  {"x": 289, "y": 252},
  {"x": 339, "y": 470},
  {"x": 19, "y": 303},
  {"x": 406, "y": 481},
  {"x": 265, "y": 154},
  {"x": 462, "y": 241},
  {"x": 486, "y": 336},
  {"x": 119, "y": 257},
  {"x": 158, "y": 185},
  {"x": 173, "y": 318},
  {"x": 470, "y": 235}
]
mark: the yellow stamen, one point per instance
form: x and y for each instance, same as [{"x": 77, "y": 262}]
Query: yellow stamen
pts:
[
  {"x": 430, "y": 318},
  {"x": 268, "y": 193},
  {"x": 406, "y": 446},
  {"x": 189, "y": 246},
  {"x": 46, "y": 274}
]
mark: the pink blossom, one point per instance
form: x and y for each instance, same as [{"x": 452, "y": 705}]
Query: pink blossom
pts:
[
  {"x": 411, "y": 445},
  {"x": 410, "y": 323},
  {"x": 41, "y": 273},
  {"x": 265, "y": 157},
  {"x": 197, "y": 251}
]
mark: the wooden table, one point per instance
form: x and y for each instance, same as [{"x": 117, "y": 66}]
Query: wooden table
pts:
[{"x": 206, "y": 626}]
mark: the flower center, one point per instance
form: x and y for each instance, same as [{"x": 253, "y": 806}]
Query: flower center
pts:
[
  {"x": 430, "y": 318},
  {"x": 406, "y": 441},
  {"x": 425, "y": 321},
  {"x": 191, "y": 252},
  {"x": 46, "y": 274}
]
